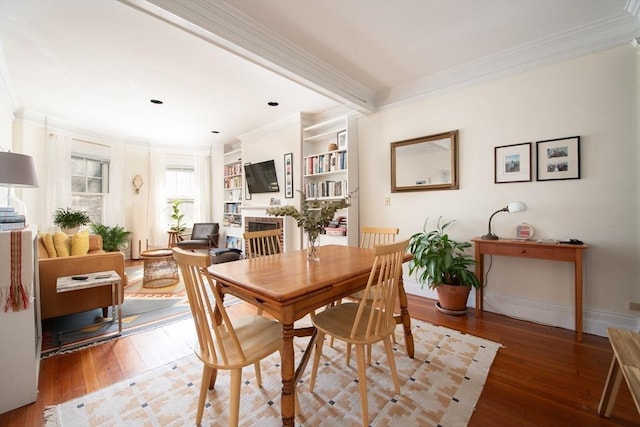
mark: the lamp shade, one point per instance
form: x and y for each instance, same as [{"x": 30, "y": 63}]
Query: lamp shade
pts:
[
  {"x": 17, "y": 170},
  {"x": 517, "y": 207}
]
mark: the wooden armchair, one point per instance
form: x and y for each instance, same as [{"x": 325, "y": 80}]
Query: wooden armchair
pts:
[{"x": 204, "y": 235}]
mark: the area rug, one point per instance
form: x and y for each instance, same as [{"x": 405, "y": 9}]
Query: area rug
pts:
[
  {"x": 439, "y": 387},
  {"x": 142, "y": 309}
]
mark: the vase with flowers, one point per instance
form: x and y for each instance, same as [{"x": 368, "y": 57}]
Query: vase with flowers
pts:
[{"x": 313, "y": 217}]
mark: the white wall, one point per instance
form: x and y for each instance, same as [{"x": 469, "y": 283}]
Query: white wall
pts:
[{"x": 594, "y": 97}]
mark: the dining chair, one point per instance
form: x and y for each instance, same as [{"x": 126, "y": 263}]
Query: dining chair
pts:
[
  {"x": 261, "y": 243},
  {"x": 368, "y": 321},
  {"x": 370, "y": 237},
  {"x": 223, "y": 344}
]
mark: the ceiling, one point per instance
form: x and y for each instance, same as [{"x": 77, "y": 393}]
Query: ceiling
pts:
[{"x": 94, "y": 66}]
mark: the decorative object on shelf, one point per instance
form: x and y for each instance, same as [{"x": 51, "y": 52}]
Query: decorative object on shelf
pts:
[
  {"x": 332, "y": 147},
  {"x": 137, "y": 183},
  {"x": 524, "y": 231},
  {"x": 288, "y": 176},
  {"x": 17, "y": 170},
  {"x": 342, "y": 140},
  {"x": 314, "y": 216},
  {"x": 113, "y": 238},
  {"x": 558, "y": 159},
  {"x": 425, "y": 163},
  {"x": 441, "y": 263},
  {"x": 177, "y": 216},
  {"x": 69, "y": 220},
  {"x": 511, "y": 207},
  {"x": 512, "y": 163}
]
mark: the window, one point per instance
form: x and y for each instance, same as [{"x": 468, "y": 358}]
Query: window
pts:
[
  {"x": 89, "y": 183},
  {"x": 180, "y": 186}
]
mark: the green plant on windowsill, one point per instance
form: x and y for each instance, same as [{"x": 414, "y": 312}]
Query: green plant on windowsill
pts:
[
  {"x": 113, "y": 238},
  {"x": 177, "y": 216},
  {"x": 69, "y": 218}
]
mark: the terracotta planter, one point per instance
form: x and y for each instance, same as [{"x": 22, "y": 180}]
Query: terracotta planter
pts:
[{"x": 453, "y": 298}]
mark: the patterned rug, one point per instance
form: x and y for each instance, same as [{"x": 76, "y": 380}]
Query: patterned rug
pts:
[{"x": 439, "y": 387}]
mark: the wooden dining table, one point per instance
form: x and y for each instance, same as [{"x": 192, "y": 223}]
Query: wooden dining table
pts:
[{"x": 289, "y": 287}]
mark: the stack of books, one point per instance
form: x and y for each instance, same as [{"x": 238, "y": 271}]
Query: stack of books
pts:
[{"x": 10, "y": 219}]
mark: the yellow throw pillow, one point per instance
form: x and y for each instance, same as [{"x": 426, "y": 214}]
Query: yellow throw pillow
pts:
[
  {"x": 80, "y": 243},
  {"x": 62, "y": 242},
  {"x": 47, "y": 241}
]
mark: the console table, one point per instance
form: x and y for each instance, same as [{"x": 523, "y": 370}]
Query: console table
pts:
[{"x": 531, "y": 249}]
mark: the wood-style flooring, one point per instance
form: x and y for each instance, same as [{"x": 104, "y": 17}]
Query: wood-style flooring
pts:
[{"x": 541, "y": 377}]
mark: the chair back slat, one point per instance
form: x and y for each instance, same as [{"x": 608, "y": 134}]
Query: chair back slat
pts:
[
  {"x": 372, "y": 236},
  {"x": 376, "y": 308},
  {"x": 262, "y": 243},
  {"x": 218, "y": 342}
]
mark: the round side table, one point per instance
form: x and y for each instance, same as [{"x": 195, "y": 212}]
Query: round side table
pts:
[{"x": 160, "y": 269}]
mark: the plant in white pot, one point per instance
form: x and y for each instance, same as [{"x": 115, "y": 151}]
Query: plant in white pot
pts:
[
  {"x": 442, "y": 264},
  {"x": 69, "y": 219}
]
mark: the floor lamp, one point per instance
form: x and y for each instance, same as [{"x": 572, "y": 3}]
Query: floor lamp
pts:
[{"x": 17, "y": 170}]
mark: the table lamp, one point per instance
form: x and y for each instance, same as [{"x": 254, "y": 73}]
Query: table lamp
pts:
[
  {"x": 511, "y": 207},
  {"x": 17, "y": 170}
]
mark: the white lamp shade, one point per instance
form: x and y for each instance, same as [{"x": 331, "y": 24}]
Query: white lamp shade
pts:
[
  {"x": 517, "y": 206},
  {"x": 17, "y": 170}
]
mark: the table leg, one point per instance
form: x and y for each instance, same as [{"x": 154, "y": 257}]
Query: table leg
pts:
[
  {"x": 578, "y": 294},
  {"x": 611, "y": 387},
  {"x": 117, "y": 285},
  {"x": 287, "y": 372},
  {"x": 479, "y": 275},
  {"x": 406, "y": 319}
]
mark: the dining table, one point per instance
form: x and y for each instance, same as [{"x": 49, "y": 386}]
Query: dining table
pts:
[{"x": 289, "y": 287}]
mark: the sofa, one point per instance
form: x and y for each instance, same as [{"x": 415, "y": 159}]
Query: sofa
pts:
[{"x": 53, "y": 304}]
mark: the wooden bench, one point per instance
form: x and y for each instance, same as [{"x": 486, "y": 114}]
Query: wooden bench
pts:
[{"x": 625, "y": 363}]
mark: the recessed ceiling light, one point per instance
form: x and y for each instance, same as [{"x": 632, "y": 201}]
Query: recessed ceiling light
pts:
[
  {"x": 272, "y": 104},
  {"x": 215, "y": 131},
  {"x": 156, "y": 101}
]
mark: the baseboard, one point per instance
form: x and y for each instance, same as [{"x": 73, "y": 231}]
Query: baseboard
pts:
[{"x": 594, "y": 322}]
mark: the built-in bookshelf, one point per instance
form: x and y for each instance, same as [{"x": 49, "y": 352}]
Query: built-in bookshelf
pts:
[
  {"x": 232, "y": 190},
  {"x": 330, "y": 172}
]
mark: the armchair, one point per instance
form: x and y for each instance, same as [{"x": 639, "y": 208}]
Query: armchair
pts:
[{"x": 204, "y": 235}]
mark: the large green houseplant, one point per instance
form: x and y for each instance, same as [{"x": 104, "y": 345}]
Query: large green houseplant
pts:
[
  {"x": 442, "y": 264},
  {"x": 69, "y": 219},
  {"x": 113, "y": 238}
]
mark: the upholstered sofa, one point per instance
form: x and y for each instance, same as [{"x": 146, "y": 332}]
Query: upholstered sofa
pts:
[{"x": 53, "y": 304}]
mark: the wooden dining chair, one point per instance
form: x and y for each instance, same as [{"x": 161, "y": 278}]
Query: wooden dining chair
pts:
[
  {"x": 368, "y": 321},
  {"x": 370, "y": 237},
  {"x": 224, "y": 344},
  {"x": 262, "y": 243}
]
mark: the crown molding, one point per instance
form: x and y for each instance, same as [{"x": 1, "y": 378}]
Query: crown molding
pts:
[
  {"x": 282, "y": 124},
  {"x": 615, "y": 31},
  {"x": 228, "y": 28}
]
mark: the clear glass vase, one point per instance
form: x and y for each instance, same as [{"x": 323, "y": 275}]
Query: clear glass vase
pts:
[{"x": 313, "y": 247}]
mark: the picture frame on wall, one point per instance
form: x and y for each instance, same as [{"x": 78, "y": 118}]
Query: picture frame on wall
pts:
[
  {"x": 512, "y": 163},
  {"x": 558, "y": 159},
  {"x": 288, "y": 176},
  {"x": 341, "y": 140}
]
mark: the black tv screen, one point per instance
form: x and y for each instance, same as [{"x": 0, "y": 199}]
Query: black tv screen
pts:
[{"x": 261, "y": 177}]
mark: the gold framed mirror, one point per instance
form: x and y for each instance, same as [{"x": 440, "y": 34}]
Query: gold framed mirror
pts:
[{"x": 425, "y": 163}]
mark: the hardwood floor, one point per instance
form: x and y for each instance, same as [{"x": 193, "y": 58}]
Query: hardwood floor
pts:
[{"x": 541, "y": 377}]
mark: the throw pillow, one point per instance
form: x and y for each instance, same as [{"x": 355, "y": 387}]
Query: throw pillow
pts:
[
  {"x": 80, "y": 243},
  {"x": 47, "y": 241},
  {"x": 62, "y": 243}
]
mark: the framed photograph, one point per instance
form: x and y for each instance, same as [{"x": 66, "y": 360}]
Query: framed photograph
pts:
[
  {"x": 247, "y": 194},
  {"x": 342, "y": 140},
  {"x": 558, "y": 158},
  {"x": 288, "y": 176},
  {"x": 512, "y": 163}
]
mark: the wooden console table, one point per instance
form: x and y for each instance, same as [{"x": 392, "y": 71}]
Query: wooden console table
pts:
[{"x": 531, "y": 249}]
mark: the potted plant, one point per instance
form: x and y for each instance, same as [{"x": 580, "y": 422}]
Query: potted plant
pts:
[
  {"x": 69, "y": 219},
  {"x": 442, "y": 264},
  {"x": 113, "y": 238},
  {"x": 177, "y": 216}
]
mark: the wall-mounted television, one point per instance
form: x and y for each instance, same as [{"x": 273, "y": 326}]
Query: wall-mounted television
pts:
[{"x": 261, "y": 177}]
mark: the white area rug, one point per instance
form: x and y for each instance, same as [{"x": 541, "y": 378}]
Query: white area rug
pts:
[{"x": 439, "y": 387}]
